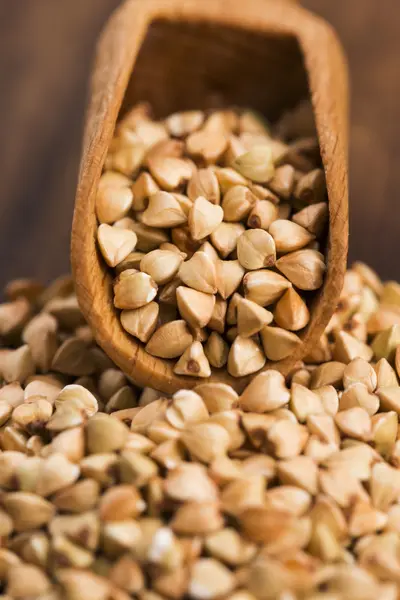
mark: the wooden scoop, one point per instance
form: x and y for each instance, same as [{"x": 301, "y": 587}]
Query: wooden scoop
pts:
[{"x": 185, "y": 54}]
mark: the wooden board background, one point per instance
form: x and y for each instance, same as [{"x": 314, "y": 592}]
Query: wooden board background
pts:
[{"x": 46, "y": 50}]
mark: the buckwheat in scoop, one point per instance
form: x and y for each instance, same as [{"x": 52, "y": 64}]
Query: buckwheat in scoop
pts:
[
  {"x": 214, "y": 228},
  {"x": 288, "y": 491}
]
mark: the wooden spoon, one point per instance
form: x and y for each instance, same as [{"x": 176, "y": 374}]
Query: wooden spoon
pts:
[{"x": 181, "y": 54}]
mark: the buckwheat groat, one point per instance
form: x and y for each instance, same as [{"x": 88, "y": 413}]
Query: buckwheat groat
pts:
[
  {"x": 290, "y": 490},
  {"x": 201, "y": 210}
]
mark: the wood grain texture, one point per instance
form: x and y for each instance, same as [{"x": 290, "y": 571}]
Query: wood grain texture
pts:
[
  {"x": 370, "y": 31},
  {"x": 46, "y": 52},
  {"x": 198, "y": 53}
]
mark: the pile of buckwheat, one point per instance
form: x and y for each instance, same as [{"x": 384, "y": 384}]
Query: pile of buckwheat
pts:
[
  {"x": 213, "y": 225},
  {"x": 290, "y": 491}
]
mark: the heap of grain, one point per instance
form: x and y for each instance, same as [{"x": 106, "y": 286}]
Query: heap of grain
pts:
[{"x": 290, "y": 491}]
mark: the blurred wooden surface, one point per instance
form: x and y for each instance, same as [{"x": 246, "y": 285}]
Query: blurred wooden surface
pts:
[{"x": 46, "y": 49}]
